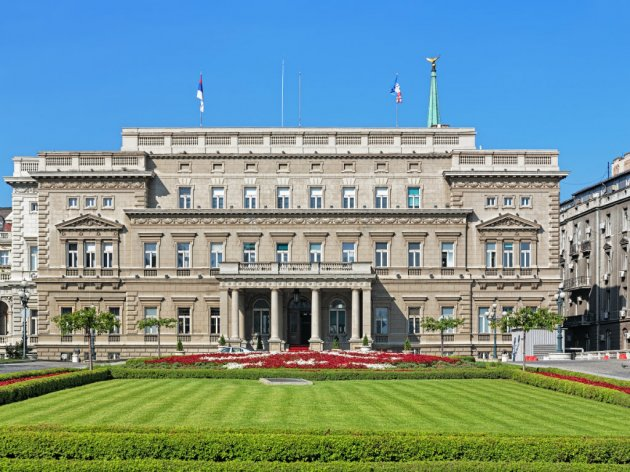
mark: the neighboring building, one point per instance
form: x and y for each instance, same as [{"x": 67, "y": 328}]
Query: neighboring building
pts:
[
  {"x": 300, "y": 235},
  {"x": 595, "y": 225}
]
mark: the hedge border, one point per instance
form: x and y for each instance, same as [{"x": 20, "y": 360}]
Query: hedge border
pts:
[
  {"x": 597, "y": 378},
  {"x": 158, "y": 465},
  {"x": 385, "y": 447},
  {"x": 32, "y": 373}
]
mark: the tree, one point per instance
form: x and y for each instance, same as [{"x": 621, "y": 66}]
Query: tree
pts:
[
  {"x": 159, "y": 323},
  {"x": 441, "y": 324},
  {"x": 527, "y": 319},
  {"x": 89, "y": 320}
]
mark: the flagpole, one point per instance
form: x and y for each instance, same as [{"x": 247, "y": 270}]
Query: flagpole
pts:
[
  {"x": 282, "y": 98},
  {"x": 299, "y": 99},
  {"x": 396, "y": 114}
]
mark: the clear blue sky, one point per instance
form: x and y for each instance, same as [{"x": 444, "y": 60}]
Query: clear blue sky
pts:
[{"x": 530, "y": 74}]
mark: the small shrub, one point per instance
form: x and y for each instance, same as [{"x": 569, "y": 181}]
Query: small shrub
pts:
[
  {"x": 365, "y": 342},
  {"x": 407, "y": 345},
  {"x": 180, "y": 346},
  {"x": 222, "y": 341}
]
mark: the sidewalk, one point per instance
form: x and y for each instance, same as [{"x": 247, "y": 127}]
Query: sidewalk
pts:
[{"x": 613, "y": 368}]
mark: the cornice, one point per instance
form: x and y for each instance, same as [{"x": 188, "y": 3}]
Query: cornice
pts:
[
  {"x": 83, "y": 175},
  {"x": 310, "y": 155}
]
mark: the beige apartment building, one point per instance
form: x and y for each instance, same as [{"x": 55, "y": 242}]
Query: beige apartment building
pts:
[
  {"x": 595, "y": 230},
  {"x": 299, "y": 236}
]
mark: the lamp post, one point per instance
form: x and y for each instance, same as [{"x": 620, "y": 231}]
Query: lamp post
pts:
[
  {"x": 24, "y": 296},
  {"x": 492, "y": 316},
  {"x": 559, "y": 297}
]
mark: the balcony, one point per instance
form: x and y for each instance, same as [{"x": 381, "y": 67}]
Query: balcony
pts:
[
  {"x": 577, "y": 283},
  {"x": 585, "y": 246},
  {"x": 580, "y": 320},
  {"x": 573, "y": 250},
  {"x": 295, "y": 268}
]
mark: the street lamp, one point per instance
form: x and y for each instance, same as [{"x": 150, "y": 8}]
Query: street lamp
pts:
[
  {"x": 24, "y": 295},
  {"x": 492, "y": 317},
  {"x": 559, "y": 298}
]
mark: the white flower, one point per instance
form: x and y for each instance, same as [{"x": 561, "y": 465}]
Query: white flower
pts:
[{"x": 233, "y": 365}]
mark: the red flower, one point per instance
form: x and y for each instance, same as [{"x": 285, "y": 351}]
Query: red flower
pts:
[
  {"x": 586, "y": 381},
  {"x": 24, "y": 379}
]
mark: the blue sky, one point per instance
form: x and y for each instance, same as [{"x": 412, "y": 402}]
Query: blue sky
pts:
[{"x": 535, "y": 74}]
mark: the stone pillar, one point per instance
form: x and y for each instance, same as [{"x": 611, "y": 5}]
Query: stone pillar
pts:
[
  {"x": 234, "y": 317},
  {"x": 224, "y": 310},
  {"x": 367, "y": 312},
  {"x": 275, "y": 344},
  {"x": 241, "y": 316},
  {"x": 355, "y": 339},
  {"x": 316, "y": 343}
]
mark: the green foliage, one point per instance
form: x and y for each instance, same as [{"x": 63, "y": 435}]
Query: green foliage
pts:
[
  {"x": 441, "y": 324},
  {"x": 36, "y": 387},
  {"x": 16, "y": 351},
  {"x": 335, "y": 343},
  {"x": 292, "y": 447},
  {"x": 222, "y": 341},
  {"x": 527, "y": 319},
  {"x": 365, "y": 341},
  {"x": 156, "y": 322},
  {"x": 86, "y": 319},
  {"x": 407, "y": 345},
  {"x": 465, "y": 358},
  {"x": 180, "y": 346},
  {"x": 32, "y": 373},
  {"x": 165, "y": 465}
]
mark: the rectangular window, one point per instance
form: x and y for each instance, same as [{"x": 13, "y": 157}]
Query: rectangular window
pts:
[
  {"x": 414, "y": 321},
  {"x": 349, "y": 197},
  {"x": 90, "y": 254},
  {"x": 33, "y": 252},
  {"x": 73, "y": 202},
  {"x": 150, "y": 255},
  {"x": 316, "y": 197},
  {"x": 216, "y": 255},
  {"x": 508, "y": 201},
  {"x": 491, "y": 201},
  {"x": 348, "y": 252},
  {"x": 413, "y": 197},
  {"x": 215, "y": 321},
  {"x": 448, "y": 254},
  {"x": 183, "y": 320},
  {"x": 5, "y": 257},
  {"x": 115, "y": 310},
  {"x": 108, "y": 202},
  {"x": 33, "y": 323},
  {"x": 526, "y": 202},
  {"x": 34, "y": 207},
  {"x": 150, "y": 312},
  {"x": 381, "y": 197},
  {"x": 447, "y": 312},
  {"x": 283, "y": 197},
  {"x": 508, "y": 254},
  {"x": 185, "y": 197},
  {"x": 249, "y": 252},
  {"x": 183, "y": 255},
  {"x": 414, "y": 252},
  {"x": 90, "y": 202},
  {"x": 108, "y": 255},
  {"x": 491, "y": 255},
  {"x": 608, "y": 228},
  {"x": 526, "y": 254},
  {"x": 315, "y": 252},
  {"x": 282, "y": 252},
  {"x": 337, "y": 318},
  {"x": 218, "y": 197},
  {"x": 250, "y": 195},
  {"x": 381, "y": 258},
  {"x": 483, "y": 320},
  {"x": 381, "y": 318},
  {"x": 72, "y": 259}
]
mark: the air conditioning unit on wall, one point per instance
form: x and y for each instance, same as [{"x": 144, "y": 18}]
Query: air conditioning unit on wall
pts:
[
  {"x": 622, "y": 313},
  {"x": 602, "y": 226},
  {"x": 606, "y": 277},
  {"x": 622, "y": 274}
]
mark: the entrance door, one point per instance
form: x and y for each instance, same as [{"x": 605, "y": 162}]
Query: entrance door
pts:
[{"x": 299, "y": 315}]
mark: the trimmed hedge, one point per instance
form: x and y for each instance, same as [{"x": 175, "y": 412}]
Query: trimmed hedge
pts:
[
  {"x": 36, "y": 387},
  {"x": 276, "y": 447},
  {"x": 311, "y": 374},
  {"x": 169, "y": 465},
  {"x": 32, "y": 373},
  {"x": 596, "y": 378}
]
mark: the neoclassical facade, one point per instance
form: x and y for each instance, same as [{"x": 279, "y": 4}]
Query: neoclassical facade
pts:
[{"x": 297, "y": 236}]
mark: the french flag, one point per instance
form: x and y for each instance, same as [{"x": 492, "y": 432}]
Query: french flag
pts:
[
  {"x": 396, "y": 91},
  {"x": 200, "y": 93}
]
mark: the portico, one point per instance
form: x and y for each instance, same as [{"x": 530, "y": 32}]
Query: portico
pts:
[{"x": 300, "y": 304}]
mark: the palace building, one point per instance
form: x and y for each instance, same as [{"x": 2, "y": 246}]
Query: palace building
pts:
[{"x": 299, "y": 236}]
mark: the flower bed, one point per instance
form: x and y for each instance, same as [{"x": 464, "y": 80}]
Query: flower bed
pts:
[
  {"x": 306, "y": 360},
  {"x": 24, "y": 379},
  {"x": 586, "y": 381}
]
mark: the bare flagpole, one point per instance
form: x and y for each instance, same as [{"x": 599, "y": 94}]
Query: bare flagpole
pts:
[
  {"x": 282, "y": 98},
  {"x": 299, "y": 99}
]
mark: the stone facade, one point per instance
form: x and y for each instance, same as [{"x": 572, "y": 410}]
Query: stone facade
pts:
[
  {"x": 294, "y": 236},
  {"x": 594, "y": 228}
]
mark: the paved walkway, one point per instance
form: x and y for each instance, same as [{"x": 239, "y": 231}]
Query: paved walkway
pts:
[
  {"x": 38, "y": 365},
  {"x": 613, "y": 368}
]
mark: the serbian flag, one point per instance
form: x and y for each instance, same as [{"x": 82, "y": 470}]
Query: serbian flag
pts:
[
  {"x": 396, "y": 91},
  {"x": 200, "y": 93}
]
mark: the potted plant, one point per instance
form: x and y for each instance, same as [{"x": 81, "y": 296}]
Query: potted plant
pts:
[
  {"x": 365, "y": 344},
  {"x": 222, "y": 341},
  {"x": 407, "y": 347},
  {"x": 180, "y": 348},
  {"x": 335, "y": 344}
]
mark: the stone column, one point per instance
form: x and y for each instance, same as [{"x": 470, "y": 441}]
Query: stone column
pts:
[
  {"x": 356, "y": 317},
  {"x": 274, "y": 339},
  {"x": 316, "y": 343},
  {"x": 224, "y": 309},
  {"x": 241, "y": 316},
  {"x": 367, "y": 312},
  {"x": 234, "y": 317}
]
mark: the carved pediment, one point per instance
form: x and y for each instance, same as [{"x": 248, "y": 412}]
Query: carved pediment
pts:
[
  {"x": 508, "y": 222},
  {"x": 89, "y": 222}
]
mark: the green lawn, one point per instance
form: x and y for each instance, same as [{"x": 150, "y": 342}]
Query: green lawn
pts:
[{"x": 446, "y": 406}]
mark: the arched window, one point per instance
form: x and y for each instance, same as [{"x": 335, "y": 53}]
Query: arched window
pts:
[
  {"x": 4, "y": 319},
  {"x": 261, "y": 317},
  {"x": 337, "y": 317}
]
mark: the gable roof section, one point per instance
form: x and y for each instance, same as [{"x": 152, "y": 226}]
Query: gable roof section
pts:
[
  {"x": 508, "y": 222},
  {"x": 89, "y": 222}
]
